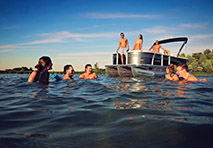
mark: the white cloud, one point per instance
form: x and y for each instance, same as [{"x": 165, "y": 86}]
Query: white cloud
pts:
[
  {"x": 198, "y": 48},
  {"x": 66, "y": 34},
  {"x": 56, "y": 40},
  {"x": 159, "y": 30},
  {"x": 202, "y": 36},
  {"x": 117, "y": 15},
  {"x": 61, "y": 37},
  {"x": 81, "y": 54},
  {"x": 6, "y": 50},
  {"x": 194, "y": 26},
  {"x": 7, "y": 46}
]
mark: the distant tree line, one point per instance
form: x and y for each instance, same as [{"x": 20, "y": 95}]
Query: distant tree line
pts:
[
  {"x": 18, "y": 70},
  {"x": 200, "y": 62},
  {"x": 25, "y": 70}
]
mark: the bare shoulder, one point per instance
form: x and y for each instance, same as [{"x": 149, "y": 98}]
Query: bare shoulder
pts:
[
  {"x": 82, "y": 75},
  {"x": 192, "y": 78},
  {"x": 32, "y": 76}
]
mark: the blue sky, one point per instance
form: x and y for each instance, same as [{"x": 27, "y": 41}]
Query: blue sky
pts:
[{"x": 78, "y": 32}]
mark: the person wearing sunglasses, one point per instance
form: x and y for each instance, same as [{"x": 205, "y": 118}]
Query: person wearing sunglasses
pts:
[{"x": 68, "y": 72}]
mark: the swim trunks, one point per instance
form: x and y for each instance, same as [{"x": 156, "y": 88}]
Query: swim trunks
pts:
[{"x": 123, "y": 51}]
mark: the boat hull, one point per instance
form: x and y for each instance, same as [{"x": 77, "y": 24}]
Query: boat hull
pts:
[{"x": 131, "y": 70}]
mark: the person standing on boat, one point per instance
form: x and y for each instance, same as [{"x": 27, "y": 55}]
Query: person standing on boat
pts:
[
  {"x": 68, "y": 72},
  {"x": 138, "y": 43},
  {"x": 124, "y": 45},
  {"x": 156, "y": 48}
]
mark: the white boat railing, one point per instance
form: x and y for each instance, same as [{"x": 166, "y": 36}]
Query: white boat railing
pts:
[{"x": 153, "y": 58}]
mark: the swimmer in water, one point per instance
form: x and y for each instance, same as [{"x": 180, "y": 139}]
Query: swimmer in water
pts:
[
  {"x": 88, "y": 73},
  {"x": 68, "y": 72},
  {"x": 138, "y": 43},
  {"x": 124, "y": 47},
  {"x": 183, "y": 71},
  {"x": 171, "y": 70},
  {"x": 41, "y": 75}
]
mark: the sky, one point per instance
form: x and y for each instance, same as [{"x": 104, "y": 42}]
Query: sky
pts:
[{"x": 79, "y": 32}]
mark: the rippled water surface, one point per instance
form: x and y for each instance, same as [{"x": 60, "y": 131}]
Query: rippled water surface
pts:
[{"x": 105, "y": 113}]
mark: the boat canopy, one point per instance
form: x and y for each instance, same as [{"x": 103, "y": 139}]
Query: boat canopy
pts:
[{"x": 170, "y": 40}]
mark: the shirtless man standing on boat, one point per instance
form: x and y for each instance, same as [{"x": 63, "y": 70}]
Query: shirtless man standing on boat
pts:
[
  {"x": 124, "y": 45},
  {"x": 89, "y": 75},
  {"x": 156, "y": 48}
]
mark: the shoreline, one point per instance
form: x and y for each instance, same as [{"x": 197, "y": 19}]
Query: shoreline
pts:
[
  {"x": 102, "y": 73},
  {"x": 202, "y": 73}
]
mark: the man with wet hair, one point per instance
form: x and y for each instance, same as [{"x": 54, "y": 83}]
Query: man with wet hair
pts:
[
  {"x": 68, "y": 72},
  {"x": 124, "y": 47},
  {"x": 88, "y": 73},
  {"x": 183, "y": 71}
]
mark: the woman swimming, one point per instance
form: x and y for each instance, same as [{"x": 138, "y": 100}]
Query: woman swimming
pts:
[
  {"x": 41, "y": 75},
  {"x": 171, "y": 70},
  {"x": 138, "y": 43}
]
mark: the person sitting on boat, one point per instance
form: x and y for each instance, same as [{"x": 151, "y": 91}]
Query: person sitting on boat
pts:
[
  {"x": 88, "y": 73},
  {"x": 171, "y": 70},
  {"x": 124, "y": 45},
  {"x": 156, "y": 48},
  {"x": 68, "y": 72},
  {"x": 138, "y": 43},
  {"x": 41, "y": 75},
  {"x": 183, "y": 71}
]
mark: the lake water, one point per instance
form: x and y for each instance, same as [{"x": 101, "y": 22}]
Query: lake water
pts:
[{"x": 105, "y": 113}]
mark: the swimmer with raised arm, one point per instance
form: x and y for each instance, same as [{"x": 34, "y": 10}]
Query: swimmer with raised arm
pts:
[
  {"x": 124, "y": 47},
  {"x": 41, "y": 75},
  {"x": 138, "y": 43},
  {"x": 88, "y": 73},
  {"x": 156, "y": 48},
  {"x": 68, "y": 72},
  {"x": 171, "y": 70}
]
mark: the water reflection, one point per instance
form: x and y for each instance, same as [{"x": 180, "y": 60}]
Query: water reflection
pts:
[{"x": 41, "y": 91}]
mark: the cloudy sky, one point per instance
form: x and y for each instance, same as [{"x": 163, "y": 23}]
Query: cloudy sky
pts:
[{"x": 78, "y": 32}]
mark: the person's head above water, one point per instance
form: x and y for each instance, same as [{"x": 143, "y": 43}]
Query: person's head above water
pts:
[
  {"x": 68, "y": 69},
  {"x": 156, "y": 42},
  {"x": 182, "y": 69},
  {"x": 44, "y": 62},
  {"x": 171, "y": 69},
  {"x": 88, "y": 68}
]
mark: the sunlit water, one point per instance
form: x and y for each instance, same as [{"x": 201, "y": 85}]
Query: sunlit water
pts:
[{"x": 107, "y": 112}]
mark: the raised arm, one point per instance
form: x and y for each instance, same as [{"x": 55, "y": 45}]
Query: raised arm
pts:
[
  {"x": 165, "y": 50},
  {"x": 32, "y": 77}
]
